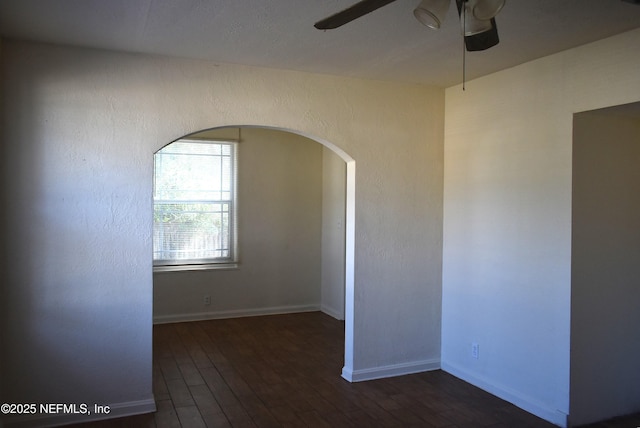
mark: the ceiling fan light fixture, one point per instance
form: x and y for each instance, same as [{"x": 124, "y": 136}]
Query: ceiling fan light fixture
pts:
[
  {"x": 470, "y": 24},
  {"x": 432, "y": 12},
  {"x": 484, "y": 10}
]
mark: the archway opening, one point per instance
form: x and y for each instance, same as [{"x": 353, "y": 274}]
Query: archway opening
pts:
[{"x": 295, "y": 215}]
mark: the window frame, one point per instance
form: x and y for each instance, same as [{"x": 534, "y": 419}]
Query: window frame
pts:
[{"x": 229, "y": 262}]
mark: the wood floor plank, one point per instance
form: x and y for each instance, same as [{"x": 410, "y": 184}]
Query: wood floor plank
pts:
[
  {"x": 166, "y": 415},
  {"x": 179, "y": 392},
  {"x": 216, "y": 420},
  {"x": 204, "y": 399},
  {"x": 169, "y": 368},
  {"x": 190, "y": 373},
  {"x": 238, "y": 416},
  {"x": 190, "y": 417},
  {"x": 221, "y": 391}
]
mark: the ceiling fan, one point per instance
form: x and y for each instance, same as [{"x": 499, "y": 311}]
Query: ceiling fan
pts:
[{"x": 477, "y": 18}]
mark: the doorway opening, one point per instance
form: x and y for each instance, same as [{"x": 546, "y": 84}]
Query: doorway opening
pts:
[
  {"x": 296, "y": 215},
  {"x": 605, "y": 264}
]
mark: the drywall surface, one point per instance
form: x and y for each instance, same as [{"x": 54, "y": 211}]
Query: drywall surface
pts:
[
  {"x": 78, "y": 279},
  {"x": 605, "y": 344},
  {"x": 81, "y": 127},
  {"x": 333, "y": 234},
  {"x": 507, "y": 218},
  {"x": 279, "y": 237}
]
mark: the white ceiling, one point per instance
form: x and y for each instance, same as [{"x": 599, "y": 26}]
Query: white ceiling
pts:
[{"x": 388, "y": 44}]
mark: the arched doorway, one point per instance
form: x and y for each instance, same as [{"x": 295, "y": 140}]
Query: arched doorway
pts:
[{"x": 286, "y": 149}]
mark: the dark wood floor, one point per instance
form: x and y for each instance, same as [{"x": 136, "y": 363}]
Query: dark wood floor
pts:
[{"x": 284, "y": 371}]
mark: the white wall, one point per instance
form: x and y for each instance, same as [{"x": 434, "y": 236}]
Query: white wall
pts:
[
  {"x": 78, "y": 278},
  {"x": 333, "y": 234},
  {"x": 280, "y": 225},
  {"x": 507, "y": 218},
  {"x": 605, "y": 344},
  {"x": 80, "y": 128}
]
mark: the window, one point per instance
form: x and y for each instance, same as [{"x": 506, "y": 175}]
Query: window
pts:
[{"x": 194, "y": 205}]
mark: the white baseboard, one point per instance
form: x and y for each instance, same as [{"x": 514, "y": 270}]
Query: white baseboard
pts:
[
  {"x": 332, "y": 312},
  {"x": 528, "y": 404},
  {"x": 117, "y": 410},
  {"x": 389, "y": 371},
  {"x": 239, "y": 313}
]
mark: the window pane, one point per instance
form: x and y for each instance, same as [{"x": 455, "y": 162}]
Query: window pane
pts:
[
  {"x": 191, "y": 231},
  {"x": 193, "y": 202}
]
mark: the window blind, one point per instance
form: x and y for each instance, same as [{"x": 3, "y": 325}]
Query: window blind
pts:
[{"x": 194, "y": 203}]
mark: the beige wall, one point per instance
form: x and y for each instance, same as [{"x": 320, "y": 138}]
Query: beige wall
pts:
[
  {"x": 333, "y": 234},
  {"x": 605, "y": 265},
  {"x": 507, "y": 218},
  {"x": 83, "y": 126}
]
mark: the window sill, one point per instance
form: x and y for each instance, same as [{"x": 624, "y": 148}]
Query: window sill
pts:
[{"x": 181, "y": 268}]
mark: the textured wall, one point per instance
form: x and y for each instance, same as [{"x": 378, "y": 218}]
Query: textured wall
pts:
[
  {"x": 78, "y": 279},
  {"x": 81, "y": 128},
  {"x": 507, "y": 210}
]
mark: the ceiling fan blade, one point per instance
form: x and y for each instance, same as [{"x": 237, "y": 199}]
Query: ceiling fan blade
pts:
[
  {"x": 482, "y": 41},
  {"x": 354, "y": 12}
]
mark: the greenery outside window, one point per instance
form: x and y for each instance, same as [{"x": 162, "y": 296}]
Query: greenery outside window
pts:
[{"x": 194, "y": 200}]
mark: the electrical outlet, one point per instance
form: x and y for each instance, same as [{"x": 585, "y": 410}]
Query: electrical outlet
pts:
[
  {"x": 475, "y": 350},
  {"x": 207, "y": 300}
]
